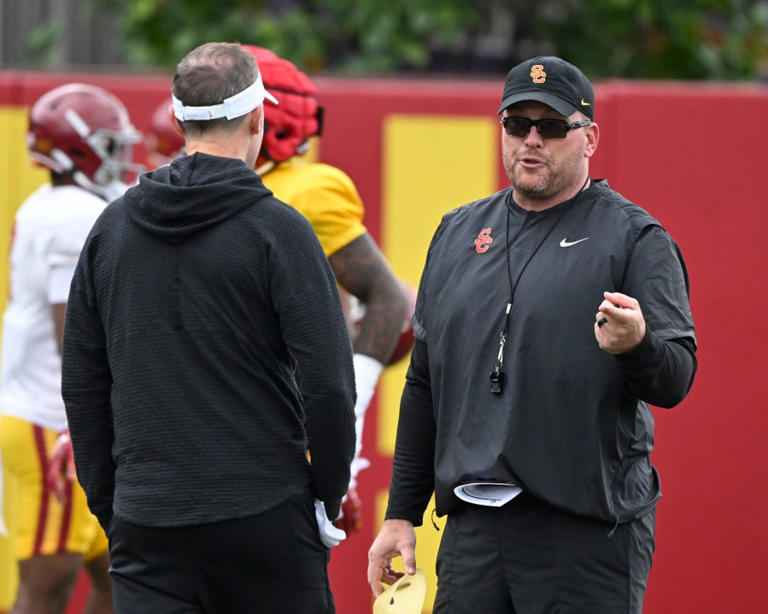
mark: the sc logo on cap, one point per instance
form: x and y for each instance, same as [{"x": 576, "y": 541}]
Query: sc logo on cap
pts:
[{"x": 537, "y": 73}]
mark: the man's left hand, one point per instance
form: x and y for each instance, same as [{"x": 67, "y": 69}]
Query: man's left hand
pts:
[{"x": 619, "y": 323}]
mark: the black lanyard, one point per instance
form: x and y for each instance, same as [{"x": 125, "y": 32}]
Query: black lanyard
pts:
[{"x": 497, "y": 375}]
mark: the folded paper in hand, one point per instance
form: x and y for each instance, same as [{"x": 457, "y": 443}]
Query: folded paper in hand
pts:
[
  {"x": 490, "y": 494},
  {"x": 330, "y": 536}
]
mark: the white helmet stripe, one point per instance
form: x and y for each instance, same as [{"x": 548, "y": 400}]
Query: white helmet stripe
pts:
[{"x": 77, "y": 123}]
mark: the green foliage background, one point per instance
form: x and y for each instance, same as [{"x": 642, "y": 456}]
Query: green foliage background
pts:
[
  {"x": 691, "y": 39},
  {"x": 682, "y": 39}
]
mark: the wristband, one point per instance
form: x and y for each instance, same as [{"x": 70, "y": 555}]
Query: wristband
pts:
[{"x": 367, "y": 372}]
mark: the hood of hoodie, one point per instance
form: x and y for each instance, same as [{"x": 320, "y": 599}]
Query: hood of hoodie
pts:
[{"x": 191, "y": 194}]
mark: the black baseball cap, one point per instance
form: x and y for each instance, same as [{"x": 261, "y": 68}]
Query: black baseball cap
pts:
[{"x": 550, "y": 80}]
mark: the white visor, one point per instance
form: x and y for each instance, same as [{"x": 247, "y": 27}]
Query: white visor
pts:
[{"x": 234, "y": 106}]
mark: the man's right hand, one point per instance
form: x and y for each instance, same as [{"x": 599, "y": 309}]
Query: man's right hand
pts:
[
  {"x": 61, "y": 467},
  {"x": 396, "y": 538}
]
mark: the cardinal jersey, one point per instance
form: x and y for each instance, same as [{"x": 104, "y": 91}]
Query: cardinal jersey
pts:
[{"x": 49, "y": 231}]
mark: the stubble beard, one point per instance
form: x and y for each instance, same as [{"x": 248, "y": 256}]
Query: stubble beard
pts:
[
  {"x": 546, "y": 182},
  {"x": 537, "y": 189},
  {"x": 525, "y": 182}
]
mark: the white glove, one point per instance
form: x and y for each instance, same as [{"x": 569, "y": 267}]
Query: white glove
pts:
[
  {"x": 367, "y": 372},
  {"x": 329, "y": 535}
]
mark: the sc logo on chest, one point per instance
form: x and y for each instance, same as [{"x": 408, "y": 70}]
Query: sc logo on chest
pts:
[{"x": 483, "y": 241}]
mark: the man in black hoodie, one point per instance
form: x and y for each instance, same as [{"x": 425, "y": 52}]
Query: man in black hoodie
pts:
[{"x": 205, "y": 353}]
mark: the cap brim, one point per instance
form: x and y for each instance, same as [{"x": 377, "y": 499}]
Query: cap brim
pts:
[
  {"x": 406, "y": 596},
  {"x": 558, "y": 104}
]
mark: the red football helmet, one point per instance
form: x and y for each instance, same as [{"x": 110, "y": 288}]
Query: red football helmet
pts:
[
  {"x": 298, "y": 116},
  {"x": 164, "y": 142},
  {"x": 85, "y": 130}
]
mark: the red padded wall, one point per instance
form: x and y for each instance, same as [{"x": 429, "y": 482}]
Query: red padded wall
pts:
[{"x": 694, "y": 155}]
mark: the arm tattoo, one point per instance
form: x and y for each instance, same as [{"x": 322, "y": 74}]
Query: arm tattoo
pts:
[{"x": 361, "y": 270}]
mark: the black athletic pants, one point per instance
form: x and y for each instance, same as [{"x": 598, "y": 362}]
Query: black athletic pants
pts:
[
  {"x": 529, "y": 558},
  {"x": 269, "y": 563}
]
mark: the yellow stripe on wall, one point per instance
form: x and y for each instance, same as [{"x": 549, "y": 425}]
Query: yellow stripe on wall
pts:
[
  {"x": 18, "y": 179},
  {"x": 9, "y": 572},
  {"x": 432, "y": 164}
]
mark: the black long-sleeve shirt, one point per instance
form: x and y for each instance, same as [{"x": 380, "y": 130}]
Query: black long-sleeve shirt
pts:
[
  {"x": 571, "y": 425},
  {"x": 205, "y": 352}
]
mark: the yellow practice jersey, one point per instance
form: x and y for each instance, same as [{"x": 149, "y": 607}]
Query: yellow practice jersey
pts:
[{"x": 323, "y": 194}]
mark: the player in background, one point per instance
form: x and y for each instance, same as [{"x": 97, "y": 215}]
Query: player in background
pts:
[
  {"x": 326, "y": 196},
  {"x": 84, "y": 136},
  {"x": 379, "y": 318}
]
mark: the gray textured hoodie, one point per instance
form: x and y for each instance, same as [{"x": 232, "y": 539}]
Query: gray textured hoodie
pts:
[{"x": 205, "y": 352}]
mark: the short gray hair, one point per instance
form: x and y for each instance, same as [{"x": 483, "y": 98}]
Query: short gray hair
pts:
[{"x": 207, "y": 75}]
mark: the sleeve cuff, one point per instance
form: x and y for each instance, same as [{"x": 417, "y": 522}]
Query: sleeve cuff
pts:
[
  {"x": 333, "y": 508},
  {"x": 415, "y": 520},
  {"x": 648, "y": 353}
]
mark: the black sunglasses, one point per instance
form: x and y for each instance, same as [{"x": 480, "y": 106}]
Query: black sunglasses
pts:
[{"x": 547, "y": 128}]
